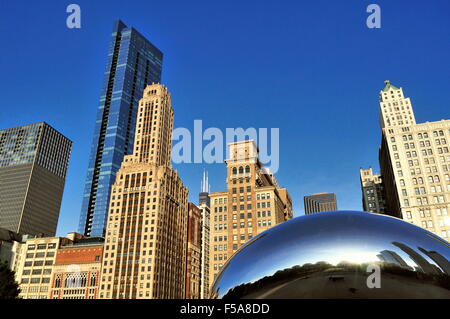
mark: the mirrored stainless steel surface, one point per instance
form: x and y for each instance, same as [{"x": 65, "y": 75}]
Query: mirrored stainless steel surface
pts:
[{"x": 342, "y": 254}]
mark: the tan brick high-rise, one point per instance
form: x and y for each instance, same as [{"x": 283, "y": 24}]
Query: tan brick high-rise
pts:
[
  {"x": 252, "y": 203},
  {"x": 145, "y": 243},
  {"x": 414, "y": 164}
]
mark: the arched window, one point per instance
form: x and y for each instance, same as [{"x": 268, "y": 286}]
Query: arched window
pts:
[
  {"x": 58, "y": 282},
  {"x": 234, "y": 171},
  {"x": 93, "y": 280},
  {"x": 247, "y": 169},
  {"x": 241, "y": 170}
]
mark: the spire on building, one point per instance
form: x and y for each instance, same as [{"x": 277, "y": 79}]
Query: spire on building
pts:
[
  {"x": 205, "y": 189},
  {"x": 204, "y": 185},
  {"x": 388, "y": 86}
]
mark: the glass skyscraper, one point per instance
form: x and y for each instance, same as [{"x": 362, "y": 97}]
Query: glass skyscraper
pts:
[{"x": 133, "y": 62}]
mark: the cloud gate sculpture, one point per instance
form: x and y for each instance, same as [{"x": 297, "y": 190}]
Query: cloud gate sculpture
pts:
[{"x": 341, "y": 254}]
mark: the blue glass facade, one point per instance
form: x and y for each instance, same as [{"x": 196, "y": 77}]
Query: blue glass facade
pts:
[{"x": 133, "y": 62}]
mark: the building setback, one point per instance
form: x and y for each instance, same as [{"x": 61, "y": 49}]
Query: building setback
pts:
[
  {"x": 251, "y": 204},
  {"x": 415, "y": 164},
  {"x": 321, "y": 202},
  {"x": 145, "y": 244},
  {"x": 372, "y": 189},
  {"x": 133, "y": 62},
  {"x": 33, "y": 167}
]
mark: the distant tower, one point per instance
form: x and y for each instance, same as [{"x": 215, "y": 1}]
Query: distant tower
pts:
[
  {"x": 204, "y": 203},
  {"x": 321, "y": 202},
  {"x": 204, "y": 190}
]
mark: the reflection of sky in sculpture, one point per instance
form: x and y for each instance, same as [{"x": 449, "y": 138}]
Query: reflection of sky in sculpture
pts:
[{"x": 331, "y": 237}]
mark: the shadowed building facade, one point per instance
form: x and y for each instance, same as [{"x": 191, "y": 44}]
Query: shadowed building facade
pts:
[
  {"x": 133, "y": 62},
  {"x": 252, "y": 203},
  {"x": 372, "y": 189},
  {"x": 194, "y": 250},
  {"x": 145, "y": 243},
  {"x": 321, "y": 202},
  {"x": 415, "y": 164},
  {"x": 33, "y": 166}
]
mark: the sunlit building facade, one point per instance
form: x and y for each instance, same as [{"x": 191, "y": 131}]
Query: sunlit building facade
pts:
[
  {"x": 76, "y": 272},
  {"x": 251, "y": 204},
  {"x": 415, "y": 164},
  {"x": 34, "y": 266},
  {"x": 145, "y": 243}
]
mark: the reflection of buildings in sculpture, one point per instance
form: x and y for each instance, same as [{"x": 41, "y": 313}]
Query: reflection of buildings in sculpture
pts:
[
  {"x": 392, "y": 257},
  {"x": 252, "y": 203},
  {"x": 421, "y": 262},
  {"x": 440, "y": 260},
  {"x": 204, "y": 203},
  {"x": 193, "y": 260},
  {"x": 76, "y": 272}
]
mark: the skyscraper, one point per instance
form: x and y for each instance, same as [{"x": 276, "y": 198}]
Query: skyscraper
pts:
[
  {"x": 145, "y": 244},
  {"x": 204, "y": 204},
  {"x": 33, "y": 166},
  {"x": 415, "y": 164},
  {"x": 133, "y": 62},
  {"x": 372, "y": 189},
  {"x": 321, "y": 202},
  {"x": 251, "y": 204}
]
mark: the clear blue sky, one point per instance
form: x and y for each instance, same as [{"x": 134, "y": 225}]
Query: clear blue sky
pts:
[{"x": 311, "y": 68}]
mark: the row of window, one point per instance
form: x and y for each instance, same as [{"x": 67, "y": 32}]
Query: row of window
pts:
[
  {"x": 424, "y": 200},
  {"x": 423, "y": 135},
  {"x": 41, "y": 246}
]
